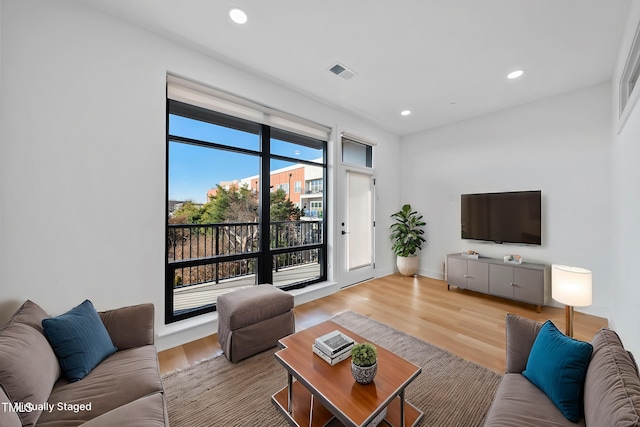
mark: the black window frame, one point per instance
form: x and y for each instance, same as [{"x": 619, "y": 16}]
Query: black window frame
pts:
[{"x": 264, "y": 254}]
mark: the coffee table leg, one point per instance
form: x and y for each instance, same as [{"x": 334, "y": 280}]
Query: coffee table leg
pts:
[
  {"x": 402, "y": 408},
  {"x": 289, "y": 393}
]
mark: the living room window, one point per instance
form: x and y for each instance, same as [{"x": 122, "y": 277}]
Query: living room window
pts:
[
  {"x": 629, "y": 92},
  {"x": 356, "y": 153},
  {"x": 232, "y": 219}
]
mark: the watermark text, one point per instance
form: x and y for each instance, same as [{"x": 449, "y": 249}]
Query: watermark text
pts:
[{"x": 26, "y": 407}]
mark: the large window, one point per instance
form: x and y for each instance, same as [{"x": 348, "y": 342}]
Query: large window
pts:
[{"x": 233, "y": 219}]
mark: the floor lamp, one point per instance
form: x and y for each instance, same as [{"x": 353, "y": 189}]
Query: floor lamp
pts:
[{"x": 571, "y": 286}]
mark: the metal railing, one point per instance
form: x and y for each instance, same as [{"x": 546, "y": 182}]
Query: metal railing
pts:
[
  {"x": 192, "y": 241},
  {"x": 205, "y": 253},
  {"x": 284, "y": 234}
]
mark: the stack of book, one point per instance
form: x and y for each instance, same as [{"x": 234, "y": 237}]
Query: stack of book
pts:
[{"x": 333, "y": 347}]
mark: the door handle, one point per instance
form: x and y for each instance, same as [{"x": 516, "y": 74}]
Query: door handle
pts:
[{"x": 345, "y": 232}]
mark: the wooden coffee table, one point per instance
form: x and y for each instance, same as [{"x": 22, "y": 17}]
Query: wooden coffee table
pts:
[{"x": 316, "y": 392}]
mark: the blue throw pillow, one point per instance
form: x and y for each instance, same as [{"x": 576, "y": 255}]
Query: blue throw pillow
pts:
[
  {"x": 79, "y": 340},
  {"x": 557, "y": 365}
]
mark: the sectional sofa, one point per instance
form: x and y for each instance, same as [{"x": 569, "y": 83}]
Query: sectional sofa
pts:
[
  {"x": 594, "y": 383},
  {"x": 38, "y": 387}
]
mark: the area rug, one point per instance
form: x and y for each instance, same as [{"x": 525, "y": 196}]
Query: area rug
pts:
[{"x": 450, "y": 391}]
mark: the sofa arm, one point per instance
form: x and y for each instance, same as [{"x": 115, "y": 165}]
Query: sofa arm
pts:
[
  {"x": 521, "y": 334},
  {"x": 131, "y": 326}
]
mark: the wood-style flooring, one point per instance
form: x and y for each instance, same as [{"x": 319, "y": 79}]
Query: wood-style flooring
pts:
[{"x": 465, "y": 323}]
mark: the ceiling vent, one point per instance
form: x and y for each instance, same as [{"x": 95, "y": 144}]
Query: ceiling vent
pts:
[{"x": 342, "y": 71}]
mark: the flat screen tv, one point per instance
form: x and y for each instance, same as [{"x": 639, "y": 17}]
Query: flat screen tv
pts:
[{"x": 510, "y": 217}]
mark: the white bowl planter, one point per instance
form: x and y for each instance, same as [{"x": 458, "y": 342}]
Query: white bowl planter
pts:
[
  {"x": 407, "y": 236},
  {"x": 408, "y": 266}
]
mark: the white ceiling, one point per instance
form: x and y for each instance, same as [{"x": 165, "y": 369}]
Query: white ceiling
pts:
[{"x": 445, "y": 60}]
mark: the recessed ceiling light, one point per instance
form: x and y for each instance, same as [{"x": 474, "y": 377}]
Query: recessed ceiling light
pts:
[
  {"x": 405, "y": 113},
  {"x": 238, "y": 16},
  {"x": 515, "y": 74}
]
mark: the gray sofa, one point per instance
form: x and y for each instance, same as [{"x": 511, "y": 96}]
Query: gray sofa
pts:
[
  {"x": 611, "y": 395},
  {"x": 125, "y": 389}
]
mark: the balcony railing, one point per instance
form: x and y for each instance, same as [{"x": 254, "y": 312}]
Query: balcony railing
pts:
[
  {"x": 194, "y": 241},
  {"x": 211, "y": 253}
]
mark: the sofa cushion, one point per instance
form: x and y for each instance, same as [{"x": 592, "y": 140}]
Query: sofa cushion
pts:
[
  {"x": 520, "y": 403},
  {"x": 8, "y": 415},
  {"x": 79, "y": 339},
  {"x": 521, "y": 334},
  {"x": 121, "y": 378},
  {"x": 612, "y": 386},
  {"x": 130, "y": 326},
  {"x": 148, "y": 411},
  {"x": 557, "y": 365},
  {"x": 28, "y": 368}
]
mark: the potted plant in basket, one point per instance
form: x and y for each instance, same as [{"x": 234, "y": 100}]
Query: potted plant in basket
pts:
[
  {"x": 406, "y": 234},
  {"x": 364, "y": 362}
]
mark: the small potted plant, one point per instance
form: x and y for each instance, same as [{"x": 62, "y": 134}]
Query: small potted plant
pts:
[
  {"x": 364, "y": 362},
  {"x": 406, "y": 234}
]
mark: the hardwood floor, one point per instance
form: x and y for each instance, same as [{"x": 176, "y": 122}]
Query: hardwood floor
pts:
[{"x": 468, "y": 324}]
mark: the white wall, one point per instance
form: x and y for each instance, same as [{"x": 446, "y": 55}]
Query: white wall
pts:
[
  {"x": 560, "y": 145},
  {"x": 82, "y": 175},
  {"x": 82, "y": 165},
  {"x": 625, "y": 284}
]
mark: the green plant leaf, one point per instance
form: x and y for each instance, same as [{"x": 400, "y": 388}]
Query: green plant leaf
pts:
[
  {"x": 364, "y": 354},
  {"x": 406, "y": 232}
]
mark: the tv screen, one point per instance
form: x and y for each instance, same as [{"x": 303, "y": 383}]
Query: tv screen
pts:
[{"x": 511, "y": 217}]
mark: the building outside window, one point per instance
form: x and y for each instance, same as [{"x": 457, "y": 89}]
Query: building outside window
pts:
[
  {"x": 314, "y": 186},
  {"x": 315, "y": 210},
  {"x": 283, "y": 187}
]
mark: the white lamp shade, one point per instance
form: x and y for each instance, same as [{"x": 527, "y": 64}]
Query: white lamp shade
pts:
[{"x": 571, "y": 285}]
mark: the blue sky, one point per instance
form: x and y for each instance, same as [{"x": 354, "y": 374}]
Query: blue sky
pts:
[{"x": 194, "y": 170}]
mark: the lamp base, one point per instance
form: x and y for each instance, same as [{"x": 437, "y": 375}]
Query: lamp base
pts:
[{"x": 569, "y": 320}]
